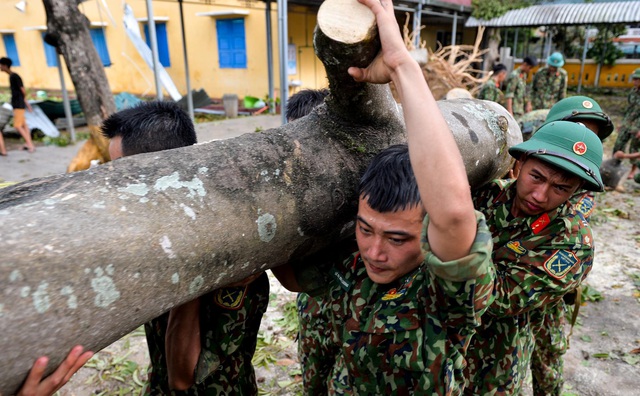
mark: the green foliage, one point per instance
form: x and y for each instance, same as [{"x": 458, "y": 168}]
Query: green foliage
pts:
[
  {"x": 60, "y": 141},
  {"x": 569, "y": 40},
  {"x": 590, "y": 294},
  {"x": 119, "y": 369},
  {"x": 203, "y": 117},
  {"x": 266, "y": 350},
  {"x": 488, "y": 9},
  {"x": 289, "y": 320},
  {"x": 603, "y": 50}
]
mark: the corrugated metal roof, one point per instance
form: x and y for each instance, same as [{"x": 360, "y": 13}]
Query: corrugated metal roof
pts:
[{"x": 565, "y": 14}]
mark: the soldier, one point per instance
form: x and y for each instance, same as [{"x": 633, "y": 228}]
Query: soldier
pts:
[
  {"x": 543, "y": 248},
  {"x": 301, "y": 103},
  {"x": 630, "y": 130},
  {"x": 549, "y": 84},
  {"x": 490, "y": 90},
  {"x": 550, "y": 341},
  {"x": 516, "y": 96},
  {"x": 402, "y": 308}
]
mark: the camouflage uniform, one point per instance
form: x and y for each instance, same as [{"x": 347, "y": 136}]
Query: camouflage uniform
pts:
[
  {"x": 491, "y": 91},
  {"x": 516, "y": 89},
  {"x": 229, "y": 322},
  {"x": 630, "y": 125},
  {"x": 408, "y": 337},
  {"x": 548, "y": 328},
  {"x": 316, "y": 350},
  {"x": 538, "y": 259},
  {"x": 547, "y": 88}
]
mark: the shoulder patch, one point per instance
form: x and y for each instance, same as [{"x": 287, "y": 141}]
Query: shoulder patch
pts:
[
  {"x": 517, "y": 248},
  {"x": 585, "y": 206},
  {"x": 560, "y": 263},
  {"x": 230, "y": 297}
]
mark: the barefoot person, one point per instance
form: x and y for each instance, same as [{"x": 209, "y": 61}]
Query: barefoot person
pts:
[{"x": 19, "y": 103}]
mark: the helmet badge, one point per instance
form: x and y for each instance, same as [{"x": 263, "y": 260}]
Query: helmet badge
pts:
[
  {"x": 579, "y": 148},
  {"x": 587, "y": 105}
]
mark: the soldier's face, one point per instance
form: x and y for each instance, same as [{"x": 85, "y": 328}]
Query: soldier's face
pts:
[
  {"x": 389, "y": 243},
  {"x": 552, "y": 69},
  {"x": 541, "y": 188},
  {"x": 636, "y": 82}
]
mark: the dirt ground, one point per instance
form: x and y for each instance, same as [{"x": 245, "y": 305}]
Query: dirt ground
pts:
[{"x": 603, "y": 359}]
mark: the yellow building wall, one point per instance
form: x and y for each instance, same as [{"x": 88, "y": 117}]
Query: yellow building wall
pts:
[
  {"x": 128, "y": 72},
  {"x": 617, "y": 76}
]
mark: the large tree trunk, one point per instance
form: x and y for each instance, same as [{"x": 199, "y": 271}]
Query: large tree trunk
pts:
[
  {"x": 70, "y": 29},
  {"x": 89, "y": 256},
  {"x": 493, "y": 49}
]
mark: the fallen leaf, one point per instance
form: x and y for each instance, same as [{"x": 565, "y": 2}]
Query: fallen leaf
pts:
[
  {"x": 285, "y": 362},
  {"x": 637, "y": 350}
]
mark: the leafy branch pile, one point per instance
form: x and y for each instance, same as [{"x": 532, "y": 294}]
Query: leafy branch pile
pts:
[{"x": 448, "y": 67}]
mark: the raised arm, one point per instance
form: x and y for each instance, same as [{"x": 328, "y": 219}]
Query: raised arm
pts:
[{"x": 435, "y": 157}]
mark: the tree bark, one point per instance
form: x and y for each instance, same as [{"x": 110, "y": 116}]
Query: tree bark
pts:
[
  {"x": 70, "y": 29},
  {"x": 493, "y": 54},
  {"x": 92, "y": 255}
]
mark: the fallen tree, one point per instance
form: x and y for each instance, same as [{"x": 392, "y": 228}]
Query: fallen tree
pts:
[{"x": 89, "y": 256}]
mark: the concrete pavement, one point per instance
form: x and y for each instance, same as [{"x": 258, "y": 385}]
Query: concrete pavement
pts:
[{"x": 21, "y": 165}]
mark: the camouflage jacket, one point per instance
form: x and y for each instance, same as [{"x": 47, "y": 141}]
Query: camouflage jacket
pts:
[
  {"x": 516, "y": 90},
  {"x": 537, "y": 259},
  {"x": 409, "y": 337},
  {"x": 547, "y": 88},
  {"x": 229, "y": 322},
  {"x": 491, "y": 91},
  {"x": 631, "y": 121}
]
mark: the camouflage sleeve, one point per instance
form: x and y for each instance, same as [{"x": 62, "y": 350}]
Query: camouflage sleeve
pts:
[
  {"x": 534, "y": 84},
  {"x": 229, "y": 322},
  {"x": 584, "y": 203},
  {"x": 483, "y": 92},
  {"x": 510, "y": 88},
  {"x": 465, "y": 285},
  {"x": 538, "y": 270},
  {"x": 563, "y": 90}
]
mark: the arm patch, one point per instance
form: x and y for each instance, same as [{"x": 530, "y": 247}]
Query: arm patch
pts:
[{"x": 560, "y": 263}]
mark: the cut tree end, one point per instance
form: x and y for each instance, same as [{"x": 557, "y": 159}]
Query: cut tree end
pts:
[{"x": 346, "y": 21}]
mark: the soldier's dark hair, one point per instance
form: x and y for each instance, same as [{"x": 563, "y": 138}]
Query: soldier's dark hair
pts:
[
  {"x": 530, "y": 61},
  {"x": 301, "y": 103},
  {"x": 497, "y": 68},
  {"x": 149, "y": 127},
  {"x": 6, "y": 61},
  {"x": 389, "y": 184}
]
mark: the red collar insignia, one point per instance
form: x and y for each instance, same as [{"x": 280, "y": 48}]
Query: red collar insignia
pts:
[{"x": 540, "y": 224}]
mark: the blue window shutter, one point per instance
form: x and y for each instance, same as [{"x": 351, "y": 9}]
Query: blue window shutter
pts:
[
  {"x": 11, "y": 48},
  {"x": 232, "y": 47},
  {"x": 100, "y": 43},
  {"x": 163, "y": 42},
  {"x": 50, "y": 53}
]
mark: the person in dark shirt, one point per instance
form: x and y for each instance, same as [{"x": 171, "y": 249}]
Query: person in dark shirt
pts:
[{"x": 19, "y": 103}]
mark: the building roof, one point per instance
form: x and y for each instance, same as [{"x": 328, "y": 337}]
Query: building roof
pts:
[{"x": 565, "y": 14}]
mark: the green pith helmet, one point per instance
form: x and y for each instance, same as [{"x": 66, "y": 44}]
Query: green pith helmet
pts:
[
  {"x": 636, "y": 73},
  {"x": 567, "y": 146},
  {"x": 556, "y": 60},
  {"x": 578, "y": 108}
]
